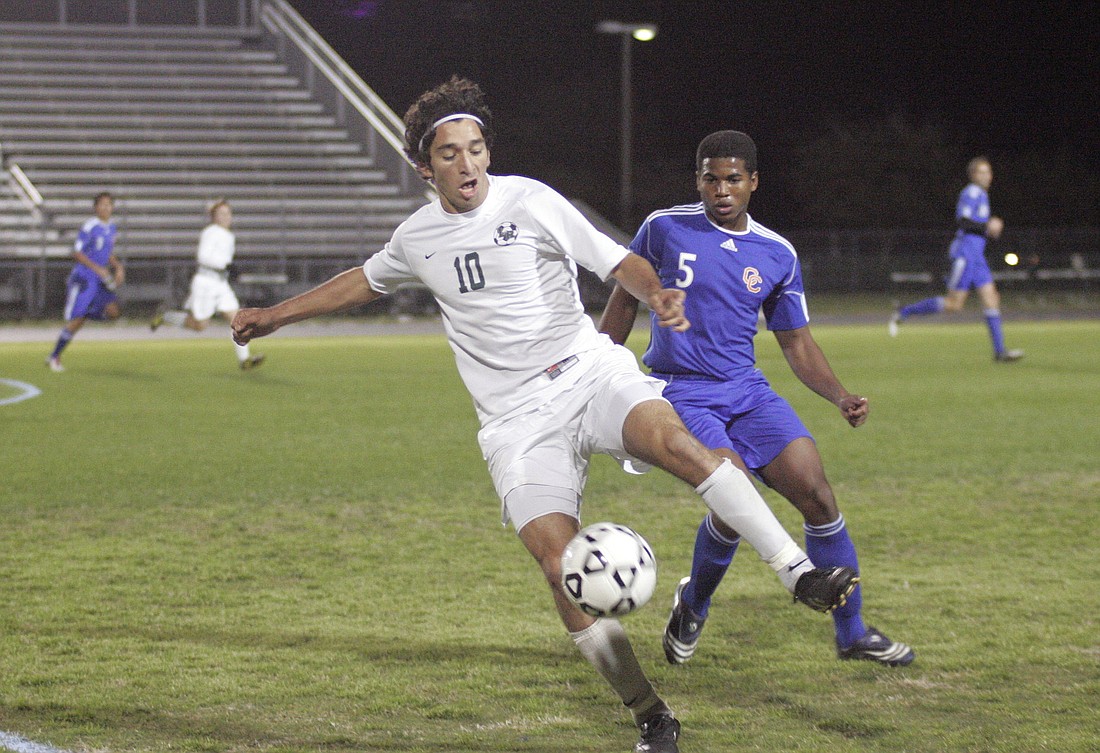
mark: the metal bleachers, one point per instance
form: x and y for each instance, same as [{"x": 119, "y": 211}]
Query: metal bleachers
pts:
[{"x": 167, "y": 119}]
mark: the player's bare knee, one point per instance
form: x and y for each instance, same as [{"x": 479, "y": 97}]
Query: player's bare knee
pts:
[{"x": 817, "y": 504}]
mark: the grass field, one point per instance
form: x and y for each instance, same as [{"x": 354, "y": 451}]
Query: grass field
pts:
[{"x": 308, "y": 557}]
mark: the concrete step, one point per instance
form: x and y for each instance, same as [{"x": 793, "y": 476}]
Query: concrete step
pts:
[
  {"x": 147, "y": 107},
  {"x": 113, "y": 38},
  {"x": 196, "y": 136},
  {"x": 33, "y": 163},
  {"x": 244, "y": 204},
  {"x": 185, "y": 68},
  {"x": 94, "y": 83},
  {"x": 153, "y": 94},
  {"x": 212, "y": 176},
  {"x": 153, "y": 55},
  {"x": 90, "y": 123},
  {"x": 206, "y": 190},
  {"x": 360, "y": 248},
  {"x": 193, "y": 222},
  {"x": 16, "y": 149}
]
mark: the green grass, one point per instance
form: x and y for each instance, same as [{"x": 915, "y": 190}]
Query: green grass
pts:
[{"x": 308, "y": 557}]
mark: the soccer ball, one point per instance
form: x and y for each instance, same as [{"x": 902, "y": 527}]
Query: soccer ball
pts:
[{"x": 608, "y": 570}]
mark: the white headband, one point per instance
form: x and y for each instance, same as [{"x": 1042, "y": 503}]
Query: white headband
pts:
[{"x": 448, "y": 119}]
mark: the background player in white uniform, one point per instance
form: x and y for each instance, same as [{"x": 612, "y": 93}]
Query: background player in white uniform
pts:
[
  {"x": 90, "y": 288},
  {"x": 734, "y": 268},
  {"x": 499, "y": 255},
  {"x": 210, "y": 290}
]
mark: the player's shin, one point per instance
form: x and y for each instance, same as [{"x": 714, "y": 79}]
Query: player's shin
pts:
[
  {"x": 732, "y": 497},
  {"x": 605, "y": 645}
]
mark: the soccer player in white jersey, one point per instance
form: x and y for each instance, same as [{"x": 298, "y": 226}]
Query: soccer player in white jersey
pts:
[
  {"x": 969, "y": 268},
  {"x": 499, "y": 254},
  {"x": 90, "y": 288},
  {"x": 732, "y": 268},
  {"x": 210, "y": 289}
]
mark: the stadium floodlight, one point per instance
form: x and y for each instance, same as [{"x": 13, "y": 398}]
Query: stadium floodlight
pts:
[{"x": 643, "y": 32}]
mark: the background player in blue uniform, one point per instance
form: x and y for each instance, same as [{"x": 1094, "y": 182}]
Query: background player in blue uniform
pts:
[
  {"x": 732, "y": 268},
  {"x": 969, "y": 268},
  {"x": 92, "y": 282}
]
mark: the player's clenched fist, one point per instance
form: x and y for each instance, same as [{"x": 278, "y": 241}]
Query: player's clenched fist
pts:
[
  {"x": 855, "y": 409},
  {"x": 249, "y": 324},
  {"x": 668, "y": 305}
]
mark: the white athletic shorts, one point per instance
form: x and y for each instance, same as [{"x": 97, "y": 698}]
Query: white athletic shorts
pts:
[
  {"x": 549, "y": 445},
  {"x": 210, "y": 294}
]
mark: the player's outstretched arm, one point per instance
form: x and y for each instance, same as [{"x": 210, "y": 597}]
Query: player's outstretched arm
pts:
[
  {"x": 117, "y": 269},
  {"x": 619, "y": 314},
  {"x": 809, "y": 364},
  {"x": 344, "y": 291},
  {"x": 636, "y": 275}
]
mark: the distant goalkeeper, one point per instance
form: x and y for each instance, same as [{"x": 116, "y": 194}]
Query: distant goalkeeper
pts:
[{"x": 210, "y": 290}]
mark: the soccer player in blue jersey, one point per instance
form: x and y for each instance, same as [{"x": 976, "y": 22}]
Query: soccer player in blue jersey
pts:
[
  {"x": 90, "y": 288},
  {"x": 969, "y": 268},
  {"x": 732, "y": 268}
]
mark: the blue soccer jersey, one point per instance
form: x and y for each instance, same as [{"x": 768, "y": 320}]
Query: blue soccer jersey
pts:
[
  {"x": 729, "y": 278},
  {"x": 973, "y": 205},
  {"x": 96, "y": 240}
]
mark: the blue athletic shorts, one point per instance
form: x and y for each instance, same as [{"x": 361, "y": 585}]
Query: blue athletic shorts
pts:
[
  {"x": 969, "y": 269},
  {"x": 758, "y": 433},
  {"x": 87, "y": 299}
]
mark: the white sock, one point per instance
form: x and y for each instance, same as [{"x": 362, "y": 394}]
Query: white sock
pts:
[
  {"x": 175, "y": 318},
  {"x": 242, "y": 352},
  {"x": 732, "y": 497},
  {"x": 605, "y": 645}
]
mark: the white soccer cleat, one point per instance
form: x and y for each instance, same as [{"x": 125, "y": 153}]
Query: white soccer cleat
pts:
[
  {"x": 892, "y": 325},
  {"x": 55, "y": 365}
]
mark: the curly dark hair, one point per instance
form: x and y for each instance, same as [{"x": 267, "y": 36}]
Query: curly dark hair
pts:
[
  {"x": 732, "y": 144},
  {"x": 459, "y": 95}
]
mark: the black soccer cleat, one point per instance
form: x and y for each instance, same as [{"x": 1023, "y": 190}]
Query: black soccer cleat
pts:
[
  {"x": 252, "y": 362},
  {"x": 874, "y": 646},
  {"x": 824, "y": 589},
  {"x": 683, "y": 628},
  {"x": 158, "y": 318},
  {"x": 659, "y": 734}
]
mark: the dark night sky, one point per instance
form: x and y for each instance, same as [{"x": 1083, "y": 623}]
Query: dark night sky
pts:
[{"x": 913, "y": 90}]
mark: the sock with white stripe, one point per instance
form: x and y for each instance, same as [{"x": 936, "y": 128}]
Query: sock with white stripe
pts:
[
  {"x": 831, "y": 546},
  {"x": 712, "y": 557}
]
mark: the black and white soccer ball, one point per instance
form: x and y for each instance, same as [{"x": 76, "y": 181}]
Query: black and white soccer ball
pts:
[{"x": 608, "y": 570}]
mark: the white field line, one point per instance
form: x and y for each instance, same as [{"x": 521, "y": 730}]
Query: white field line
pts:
[
  {"x": 26, "y": 391},
  {"x": 18, "y": 744}
]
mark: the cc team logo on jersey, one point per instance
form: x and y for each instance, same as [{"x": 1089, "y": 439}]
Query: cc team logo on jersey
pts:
[
  {"x": 505, "y": 234},
  {"x": 752, "y": 279}
]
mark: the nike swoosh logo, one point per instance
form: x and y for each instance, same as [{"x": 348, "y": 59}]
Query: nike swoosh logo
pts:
[
  {"x": 428, "y": 256},
  {"x": 792, "y": 568}
]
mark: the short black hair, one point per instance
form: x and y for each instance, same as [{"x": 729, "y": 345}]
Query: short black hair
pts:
[
  {"x": 102, "y": 195},
  {"x": 731, "y": 144},
  {"x": 973, "y": 164},
  {"x": 459, "y": 95}
]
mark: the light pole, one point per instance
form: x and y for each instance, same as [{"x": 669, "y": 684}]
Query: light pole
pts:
[{"x": 643, "y": 32}]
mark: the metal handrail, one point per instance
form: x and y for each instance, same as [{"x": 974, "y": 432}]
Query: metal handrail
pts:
[{"x": 280, "y": 15}]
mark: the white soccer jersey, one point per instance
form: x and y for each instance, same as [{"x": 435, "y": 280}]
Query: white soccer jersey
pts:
[
  {"x": 216, "y": 247},
  {"x": 505, "y": 280}
]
